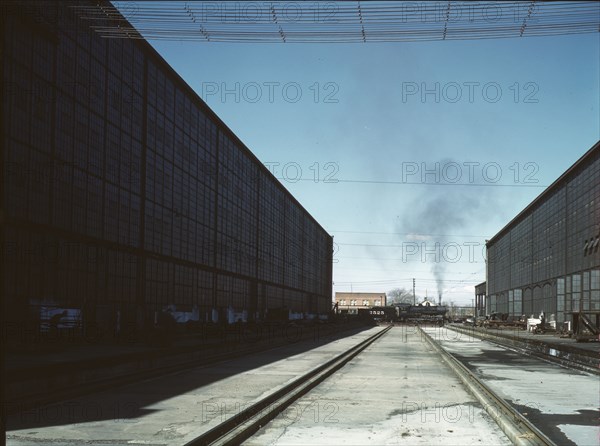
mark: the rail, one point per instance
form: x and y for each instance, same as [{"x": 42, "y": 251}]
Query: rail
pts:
[
  {"x": 244, "y": 424},
  {"x": 564, "y": 356},
  {"x": 516, "y": 427}
]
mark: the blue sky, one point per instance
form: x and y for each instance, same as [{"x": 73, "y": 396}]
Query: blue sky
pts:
[{"x": 528, "y": 109}]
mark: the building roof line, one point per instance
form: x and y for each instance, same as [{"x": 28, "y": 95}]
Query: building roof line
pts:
[
  {"x": 195, "y": 98},
  {"x": 592, "y": 152}
]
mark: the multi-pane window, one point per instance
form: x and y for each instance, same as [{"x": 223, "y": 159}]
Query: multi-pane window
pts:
[{"x": 75, "y": 154}]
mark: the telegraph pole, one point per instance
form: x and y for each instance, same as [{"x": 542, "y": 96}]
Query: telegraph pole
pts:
[{"x": 414, "y": 299}]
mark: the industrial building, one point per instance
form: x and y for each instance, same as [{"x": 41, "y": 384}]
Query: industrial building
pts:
[
  {"x": 480, "y": 291},
  {"x": 350, "y": 303},
  {"x": 548, "y": 257},
  {"x": 123, "y": 194}
]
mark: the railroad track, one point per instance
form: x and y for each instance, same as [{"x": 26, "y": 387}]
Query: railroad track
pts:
[
  {"x": 243, "y": 425},
  {"x": 516, "y": 427},
  {"x": 141, "y": 366},
  {"x": 568, "y": 359}
]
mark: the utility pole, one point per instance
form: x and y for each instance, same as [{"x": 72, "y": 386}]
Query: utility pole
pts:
[{"x": 414, "y": 299}]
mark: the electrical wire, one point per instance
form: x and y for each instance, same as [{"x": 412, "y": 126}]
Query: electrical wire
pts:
[
  {"x": 338, "y": 22},
  {"x": 331, "y": 231},
  {"x": 416, "y": 183}
]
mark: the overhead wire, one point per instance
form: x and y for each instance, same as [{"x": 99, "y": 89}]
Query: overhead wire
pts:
[
  {"x": 339, "y": 22},
  {"x": 407, "y": 233},
  {"x": 414, "y": 183}
]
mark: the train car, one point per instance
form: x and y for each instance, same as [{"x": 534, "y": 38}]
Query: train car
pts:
[
  {"x": 403, "y": 312},
  {"x": 384, "y": 314},
  {"x": 377, "y": 314}
]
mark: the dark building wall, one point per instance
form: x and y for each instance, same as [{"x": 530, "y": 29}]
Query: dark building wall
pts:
[
  {"x": 548, "y": 258},
  {"x": 123, "y": 191}
]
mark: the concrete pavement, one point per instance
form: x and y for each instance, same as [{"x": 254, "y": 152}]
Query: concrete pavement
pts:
[
  {"x": 173, "y": 409},
  {"x": 396, "y": 392},
  {"x": 561, "y": 402}
]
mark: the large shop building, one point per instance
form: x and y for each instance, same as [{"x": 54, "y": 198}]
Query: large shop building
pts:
[
  {"x": 548, "y": 257},
  {"x": 123, "y": 194}
]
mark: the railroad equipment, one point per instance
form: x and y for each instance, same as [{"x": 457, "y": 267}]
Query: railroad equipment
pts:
[{"x": 422, "y": 313}]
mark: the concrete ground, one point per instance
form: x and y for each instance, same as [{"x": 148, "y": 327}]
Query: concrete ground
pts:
[
  {"x": 396, "y": 392},
  {"x": 561, "y": 402},
  {"x": 173, "y": 409}
]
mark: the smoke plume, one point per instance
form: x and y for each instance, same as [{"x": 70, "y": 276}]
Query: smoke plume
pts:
[{"x": 440, "y": 213}]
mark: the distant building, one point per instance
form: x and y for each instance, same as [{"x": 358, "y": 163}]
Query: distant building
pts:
[
  {"x": 547, "y": 258},
  {"x": 352, "y": 302}
]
